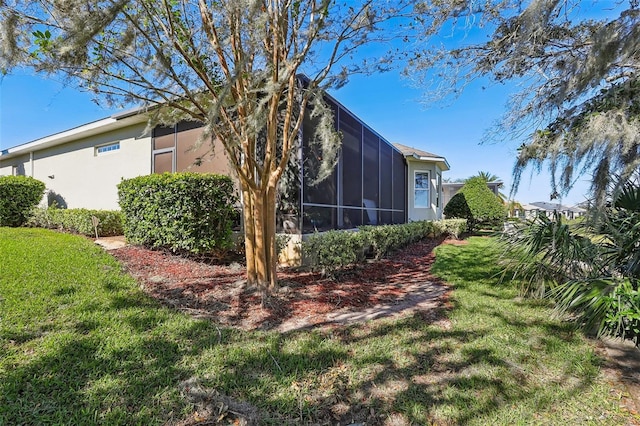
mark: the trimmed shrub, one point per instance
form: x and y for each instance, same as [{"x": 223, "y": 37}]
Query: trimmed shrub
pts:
[
  {"x": 384, "y": 239},
  {"x": 333, "y": 250},
  {"x": 476, "y": 203},
  {"x": 450, "y": 227},
  {"x": 190, "y": 212},
  {"x": 457, "y": 207},
  {"x": 78, "y": 221},
  {"x": 18, "y": 195}
]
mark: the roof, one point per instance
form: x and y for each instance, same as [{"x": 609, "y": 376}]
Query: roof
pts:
[
  {"x": 542, "y": 205},
  {"x": 493, "y": 183},
  {"x": 418, "y": 154},
  {"x": 114, "y": 122}
]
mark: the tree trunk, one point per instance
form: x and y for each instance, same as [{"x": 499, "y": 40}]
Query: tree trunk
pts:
[{"x": 260, "y": 229}]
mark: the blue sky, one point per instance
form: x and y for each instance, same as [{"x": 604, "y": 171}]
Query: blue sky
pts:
[{"x": 32, "y": 106}]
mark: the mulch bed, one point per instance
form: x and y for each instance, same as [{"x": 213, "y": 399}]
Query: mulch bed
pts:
[{"x": 386, "y": 287}]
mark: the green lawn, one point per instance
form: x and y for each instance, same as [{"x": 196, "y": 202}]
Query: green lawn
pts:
[{"x": 80, "y": 344}]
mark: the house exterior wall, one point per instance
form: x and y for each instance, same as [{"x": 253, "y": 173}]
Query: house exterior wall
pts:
[
  {"x": 417, "y": 209},
  {"x": 76, "y": 175},
  {"x": 21, "y": 166},
  {"x": 372, "y": 183}
]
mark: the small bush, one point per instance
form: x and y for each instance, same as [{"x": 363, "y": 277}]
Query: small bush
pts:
[
  {"x": 622, "y": 318},
  {"x": 190, "y": 212},
  {"x": 78, "y": 221},
  {"x": 18, "y": 195}
]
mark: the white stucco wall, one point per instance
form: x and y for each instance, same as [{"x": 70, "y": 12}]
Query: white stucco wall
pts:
[
  {"x": 22, "y": 162},
  {"x": 434, "y": 211},
  {"x": 82, "y": 177}
]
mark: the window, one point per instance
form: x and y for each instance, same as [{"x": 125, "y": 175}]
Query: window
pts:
[
  {"x": 107, "y": 148},
  {"x": 370, "y": 172},
  {"x": 399, "y": 186},
  {"x": 421, "y": 190},
  {"x": 18, "y": 170},
  {"x": 325, "y": 191},
  {"x": 164, "y": 146},
  {"x": 163, "y": 162},
  {"x": 386, "y": 183}
]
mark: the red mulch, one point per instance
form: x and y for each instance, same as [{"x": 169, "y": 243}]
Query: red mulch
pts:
[{"x": 386, "y": 287}]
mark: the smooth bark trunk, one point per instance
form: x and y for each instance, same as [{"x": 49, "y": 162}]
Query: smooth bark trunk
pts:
[{"x": 260, "y": 229}]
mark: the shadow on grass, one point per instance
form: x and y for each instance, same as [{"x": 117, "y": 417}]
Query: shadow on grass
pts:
[
  {"x": 125, "y": 359},
  {"x": 448, "y": 377},
  {"x": 79, "y": 382}
]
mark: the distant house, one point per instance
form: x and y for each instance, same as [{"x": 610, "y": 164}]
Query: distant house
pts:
[
  {"x": 540, "y": 207},
  {"x": 450, "y": 189},
  {"x": 373, "y": 182}
]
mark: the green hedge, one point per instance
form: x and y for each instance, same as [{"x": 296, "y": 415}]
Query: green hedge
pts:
[
  {"x": 476, "y": 203},
  {"x": 387, "y": 238},
  {"x": 78, "y": 221},
  {"x": 190, "y": 212},
  {"x": 18, "y": 195},
  {"x": 451, "y": 227},
  {"x": 333, "y": 250}
]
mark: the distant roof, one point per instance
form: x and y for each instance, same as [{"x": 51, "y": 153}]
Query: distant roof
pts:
[
  {"x": 493, "y": 183},
  {"x": 419, "y": 154},
  {"x": 542, "y": 205}
]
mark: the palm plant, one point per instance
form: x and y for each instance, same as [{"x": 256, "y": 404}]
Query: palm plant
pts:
[
  {"x": 543, "y": 252},
  {"x": 487, "y": 176},
  {"x": 592, "y": 270},
  {"x": 514, "y": 206}
]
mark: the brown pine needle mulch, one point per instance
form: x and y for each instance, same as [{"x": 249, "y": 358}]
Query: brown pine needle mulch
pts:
[{"x": 397, "y": 285}]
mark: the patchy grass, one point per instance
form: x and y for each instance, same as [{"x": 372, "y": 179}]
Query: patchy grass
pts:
[{"x": 81, "y": 344}]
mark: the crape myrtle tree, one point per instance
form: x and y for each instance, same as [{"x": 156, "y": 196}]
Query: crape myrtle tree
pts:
[
  {"x": 576, "y": 66},
  {"x": 232, "y": 65}
]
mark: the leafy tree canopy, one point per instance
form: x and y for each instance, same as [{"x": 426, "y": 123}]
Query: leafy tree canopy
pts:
[
  {"x": 576, "y": 64},
  {"x": 232, "y": 65}
]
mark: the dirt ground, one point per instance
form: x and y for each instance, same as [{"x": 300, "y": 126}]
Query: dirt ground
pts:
[{"x": 399, "y": 285}]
